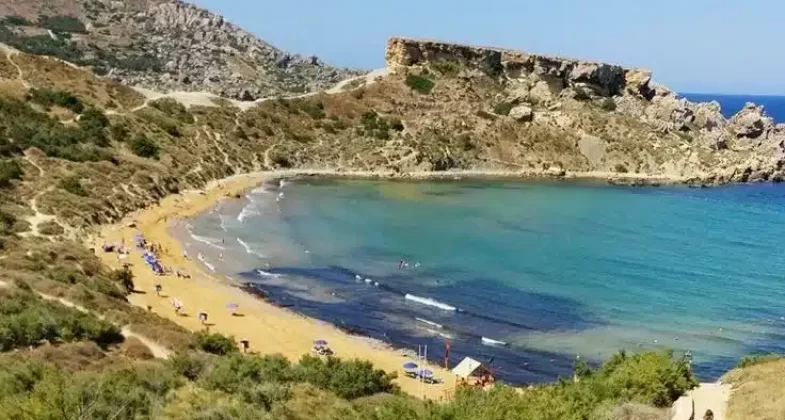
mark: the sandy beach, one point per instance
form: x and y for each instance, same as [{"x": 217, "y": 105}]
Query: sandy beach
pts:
[{"x": 269, "y": 329}]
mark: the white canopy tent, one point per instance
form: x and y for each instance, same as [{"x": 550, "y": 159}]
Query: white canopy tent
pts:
[{"x": 466, "y": 368}]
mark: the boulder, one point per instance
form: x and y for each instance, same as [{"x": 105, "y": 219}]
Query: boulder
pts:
[
  {"x": 522, "y": 113},
  {"x": 751, "y": 122}
]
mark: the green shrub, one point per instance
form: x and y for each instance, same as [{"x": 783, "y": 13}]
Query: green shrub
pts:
[
  {"x": 420, "y": 84},
  {"x": 119, "y": 132},
  {"x": 62, "y": 24},
  {"x": 27, "y": 320},
  {"x": 52, "y": 97},
  {"x": 503, "y": 108},
  {"x": 216, "y": 343},
  {"x": 50, "y": 228},
  {"x": 347, "y": 379},
  {"x": 73, "y": 185},
  {"x": 9, "y": 170},
  {"x": 125, "y": 278},
  {"x": 446, "y": 67},
  {"x": 144, "y": 147},
  {"x": 174, "y": 109},
  {"x": 608, "y": 104},
  {"x": 758, "y": 359},
  {"x": 620, "y": 168},
  {"x": 17, "y": 21},
  {"x": 7, "y": 222}
]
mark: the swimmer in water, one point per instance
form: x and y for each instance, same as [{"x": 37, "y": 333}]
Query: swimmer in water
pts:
[{"x": 400, "y": 265}]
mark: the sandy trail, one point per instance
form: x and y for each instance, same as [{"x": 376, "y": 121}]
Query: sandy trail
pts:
[
  {"x": 711, "y": 396},
  {"x": 269, "y": 329}
]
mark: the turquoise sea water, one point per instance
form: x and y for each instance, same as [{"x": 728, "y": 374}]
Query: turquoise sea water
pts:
[{"x": 551, "y": 269}]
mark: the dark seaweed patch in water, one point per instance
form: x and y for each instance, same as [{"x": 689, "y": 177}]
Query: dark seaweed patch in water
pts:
[{"x": 383, "y": 313}]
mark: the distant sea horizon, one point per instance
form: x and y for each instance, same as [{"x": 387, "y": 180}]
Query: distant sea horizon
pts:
[{"x": 730, "y": 104}]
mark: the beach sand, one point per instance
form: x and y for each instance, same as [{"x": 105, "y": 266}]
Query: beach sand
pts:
[{"x": 268, "y": 328}]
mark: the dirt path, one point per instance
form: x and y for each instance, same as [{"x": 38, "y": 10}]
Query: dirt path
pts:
[
  {"x": 9, "y": 53},
  {"x": 711, "y": 396}
]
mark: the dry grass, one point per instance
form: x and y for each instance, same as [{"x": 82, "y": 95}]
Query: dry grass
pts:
[
  {"x": 632, "y": 411},
  {"x": 52, "y": 73},
  {"x": 758, "y": 392}
]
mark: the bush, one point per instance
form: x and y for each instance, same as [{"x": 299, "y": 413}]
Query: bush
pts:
[
  {"x": 174, "y": 109},
  {"x": 446, "y": 67},
  {"x": 347, "y": 379},
  {"x": 620, "y": 168},
  {"x": 125, "y": 278},
  {"x": 144, "y": 147},
  {"x": 27, "y": 320},
  {"x": 758, "y": 359},
  {"x": 52, "y": 97},
  {"x": 17, "y": 21},
  {"x": 9, "y": 170},
  {"x": 608, "y": 104},
  {"x": 503, "y": 108},
  {"x": 50, "y": 228},
  {"x": 73, "y": 185},
  {"x": 420, "y": 84},
  {"x": 216, "y": 343},
  {"x": 62, "y": 24}
]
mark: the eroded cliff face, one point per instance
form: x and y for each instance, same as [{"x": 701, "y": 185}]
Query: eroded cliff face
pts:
[{"x": 675, "y": 137}]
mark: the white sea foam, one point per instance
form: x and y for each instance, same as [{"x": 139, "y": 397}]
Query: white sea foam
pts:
[
  {"x": 491, "y": 342},
  {"x": 263, "y": 273},
  {"x": 431, "y": 323},
  {"x": 212, "y": 242},
  {"x": 201, "y": 258},
  {"x": 430, "y": 302},
  {"x": 249, "y": 249},
  {"x": 281, "y": 183},
  {"x": 223, "y": 222}
]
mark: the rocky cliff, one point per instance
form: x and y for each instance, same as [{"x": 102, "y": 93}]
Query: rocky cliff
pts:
[
  {"x": 166, "y": 45},
  {"x": 676, "y": 137}
]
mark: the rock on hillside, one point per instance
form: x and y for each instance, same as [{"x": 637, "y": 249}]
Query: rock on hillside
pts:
[
  {"x": 667, "y": 136},
  {"x": 166, "y": 45}
]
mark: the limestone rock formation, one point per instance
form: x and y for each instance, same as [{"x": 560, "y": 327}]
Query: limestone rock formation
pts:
[
  {"x": 666, "y": 135},
  {"x": 169, "y": 45}
]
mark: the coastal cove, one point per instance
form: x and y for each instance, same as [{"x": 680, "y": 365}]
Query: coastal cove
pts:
[{"x": 561, "y": 269}]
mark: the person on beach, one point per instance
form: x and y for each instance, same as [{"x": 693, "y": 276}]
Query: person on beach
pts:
[{"x": 158, "y": 289}]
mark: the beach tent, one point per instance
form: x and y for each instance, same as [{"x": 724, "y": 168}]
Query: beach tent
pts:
[{"x": 468, "y": 368}]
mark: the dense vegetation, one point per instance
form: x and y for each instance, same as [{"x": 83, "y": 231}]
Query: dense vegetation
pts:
[
  {"x": 23, "y": 127},
  {"x": 26, "y": 320}
]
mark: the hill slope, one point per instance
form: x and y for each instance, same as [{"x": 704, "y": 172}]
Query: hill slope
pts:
[{"x": 164, "y": 45}]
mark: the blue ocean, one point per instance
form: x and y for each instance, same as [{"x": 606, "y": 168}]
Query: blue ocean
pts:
[
  {"x": 525, "y": 276},
  {"x": 731, "y": 104}
]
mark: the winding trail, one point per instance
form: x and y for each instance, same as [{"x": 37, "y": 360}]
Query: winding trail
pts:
[{"x": 9, "y": 53}]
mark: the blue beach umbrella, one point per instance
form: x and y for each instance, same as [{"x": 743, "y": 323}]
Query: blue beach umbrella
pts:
[
  {"x": 426, "y": 373},
  {"x": 410, "y": 366},
  {"x": 321, "y": 343}
]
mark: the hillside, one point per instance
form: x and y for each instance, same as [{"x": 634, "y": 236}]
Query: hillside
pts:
[
  {"x": 164, "y": 45},
  {"x": 80, "y": 147}
]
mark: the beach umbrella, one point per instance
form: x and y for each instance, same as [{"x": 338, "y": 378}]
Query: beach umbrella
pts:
[
  {"x": 426, "y": 373},
  {"x": 320, "y": 343},
  {"x": 232, "y": 306},
  {"x": 410, "y": 366}
]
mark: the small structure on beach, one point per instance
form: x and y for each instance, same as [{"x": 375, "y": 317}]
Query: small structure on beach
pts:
[{"x": 472, "y": 372}]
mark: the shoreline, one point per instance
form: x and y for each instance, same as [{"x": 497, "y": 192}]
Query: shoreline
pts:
[
  {"x": 271, "y": 329},
  {"x": 262, "y": 317}
]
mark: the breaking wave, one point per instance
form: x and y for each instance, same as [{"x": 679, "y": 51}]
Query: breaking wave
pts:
[{"x": 430, "y": 302}]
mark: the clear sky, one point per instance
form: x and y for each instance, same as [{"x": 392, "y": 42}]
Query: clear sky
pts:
[{"x": 719, "y": 46}]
